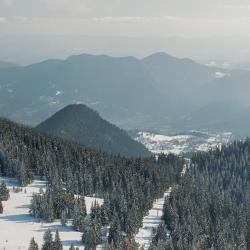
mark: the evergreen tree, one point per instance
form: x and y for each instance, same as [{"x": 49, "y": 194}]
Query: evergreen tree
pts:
[
  {"x": 57, "y": 244},
  {"x": 4, "y": 192},
  {"x": 72, "y": 247},
  {"x": 79, "y": 214},
  {"x": 22, "y": 175},
  {"x": 92, "y": 234},
  {"x": 48, "y": 241},
  {"x": 64, "y": 218},
  {"x": 115, "y": 234},
  {"x": 1, "y": 207},
  {"x": 161, "y": 235},
  {"x": 33, "y": 245}
]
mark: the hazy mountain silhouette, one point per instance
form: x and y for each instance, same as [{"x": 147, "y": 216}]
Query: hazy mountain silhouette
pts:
[
  {"x": 132, "y": 93},
  {"x": 83, "y": 125}
]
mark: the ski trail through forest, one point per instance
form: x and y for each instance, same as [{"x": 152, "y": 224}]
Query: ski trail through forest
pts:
[
  {"x": 154, "y": 218},
  {"x": 151, "y": 222}
]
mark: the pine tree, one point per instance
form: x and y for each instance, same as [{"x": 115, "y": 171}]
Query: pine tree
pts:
[
  {"x": 72, "y": 247},
  {"x": 1, "y": 207},
  {"x": 47, "y": 241},
  {"x": 22, "y": 175},
  {"x": 33, "y": 245},
  {"x": 79, "y": 214},
  {"x": 92, "y": 234},
  {"x": 161, "y": 235},
  {"x": 64, "y": 217},
  {"x": 57, "y": 244},
  {"x": 4, "y": 192},
  {"x": 115, "y": 235}
]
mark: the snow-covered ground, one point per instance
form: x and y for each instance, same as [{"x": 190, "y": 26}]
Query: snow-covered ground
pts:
[
  {"x": 183, "y": 143},
  {"x": 151, "y": 222},
  {"x": 17, "y": 226}
]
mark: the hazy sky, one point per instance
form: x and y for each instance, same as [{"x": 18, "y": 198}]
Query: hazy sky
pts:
[{"x": 188, "y": 19}]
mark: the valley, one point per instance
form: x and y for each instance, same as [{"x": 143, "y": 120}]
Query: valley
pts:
[{"x": 183, "y": 144}]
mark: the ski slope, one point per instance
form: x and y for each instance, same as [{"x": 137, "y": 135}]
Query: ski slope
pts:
[
  {"x": 154, "y": 218},
  {"x": 151, "y": 222},
  {"x": 17, "y": 226}
]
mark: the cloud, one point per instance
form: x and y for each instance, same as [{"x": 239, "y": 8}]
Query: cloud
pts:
[
  {"x": 3, "y": 20},
  {"x": 20, "y": 19},
  {"x": 7, "y": 3},
  {"x": 237, "y": 6},
  {"x": 138, "y": 19}
]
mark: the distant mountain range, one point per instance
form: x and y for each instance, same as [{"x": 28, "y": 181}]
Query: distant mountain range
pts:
[
  {"x": 81, "y": 124},
  {"x": 157, "y": 92},
  {"x": 5, "y": 65}
]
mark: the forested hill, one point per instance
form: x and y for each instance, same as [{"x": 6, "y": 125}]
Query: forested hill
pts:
[
  {"x": 210, "y": 209},
  {"x": 128, "y": 186},
  {"x": 85, "y": 126}
]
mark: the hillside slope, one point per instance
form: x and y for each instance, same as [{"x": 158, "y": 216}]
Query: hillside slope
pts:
[{"x": 83, "y": 125}]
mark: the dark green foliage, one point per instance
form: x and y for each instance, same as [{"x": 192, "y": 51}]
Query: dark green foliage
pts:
[
  {"x": 33, "y": 245},
  {"x": 57, "y": 244},
  {"x": 72, "y": 247},
  {"x": 79, "y": 214},
  {"x": 64, "y": 217},
  {"x": 1, "y": 207},
  {"x": 160, "y": 236},
  {"x": 91, "y": 234},
  {"x": 115, "y": 235},
  {"x": 210, "y": 207},
  {"x": 4, "y": 192},
  {"x": 53, "y": 204},
  {"x": 48, "y": 241}
]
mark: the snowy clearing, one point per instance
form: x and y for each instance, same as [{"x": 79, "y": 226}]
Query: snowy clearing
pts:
[
  {"x": 17, "y": 226},
  {"x": 151, "y": 222}
]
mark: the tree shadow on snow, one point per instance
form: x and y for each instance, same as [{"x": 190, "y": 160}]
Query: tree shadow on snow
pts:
[{"x": 18, "y": 218}]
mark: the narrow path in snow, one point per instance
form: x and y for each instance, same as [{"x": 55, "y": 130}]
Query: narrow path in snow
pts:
[
  {"x": 151, "y": 222},
  {"x": 154, "y": 218}
]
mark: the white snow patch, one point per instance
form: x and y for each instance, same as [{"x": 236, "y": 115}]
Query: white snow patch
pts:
[
  {"x": 53, "y": 103},
  {"x": 17, "y": 227},
  {"x": 94, "y": 103},
  {"x": 59, "y": 92},
  {"x": 151, "y": 222},
  {"x": 221, "y": 74}
]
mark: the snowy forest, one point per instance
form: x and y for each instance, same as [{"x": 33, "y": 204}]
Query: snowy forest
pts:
[
  {"x": 128, "y": 186},
  {"x": 210, "y": 207}
]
